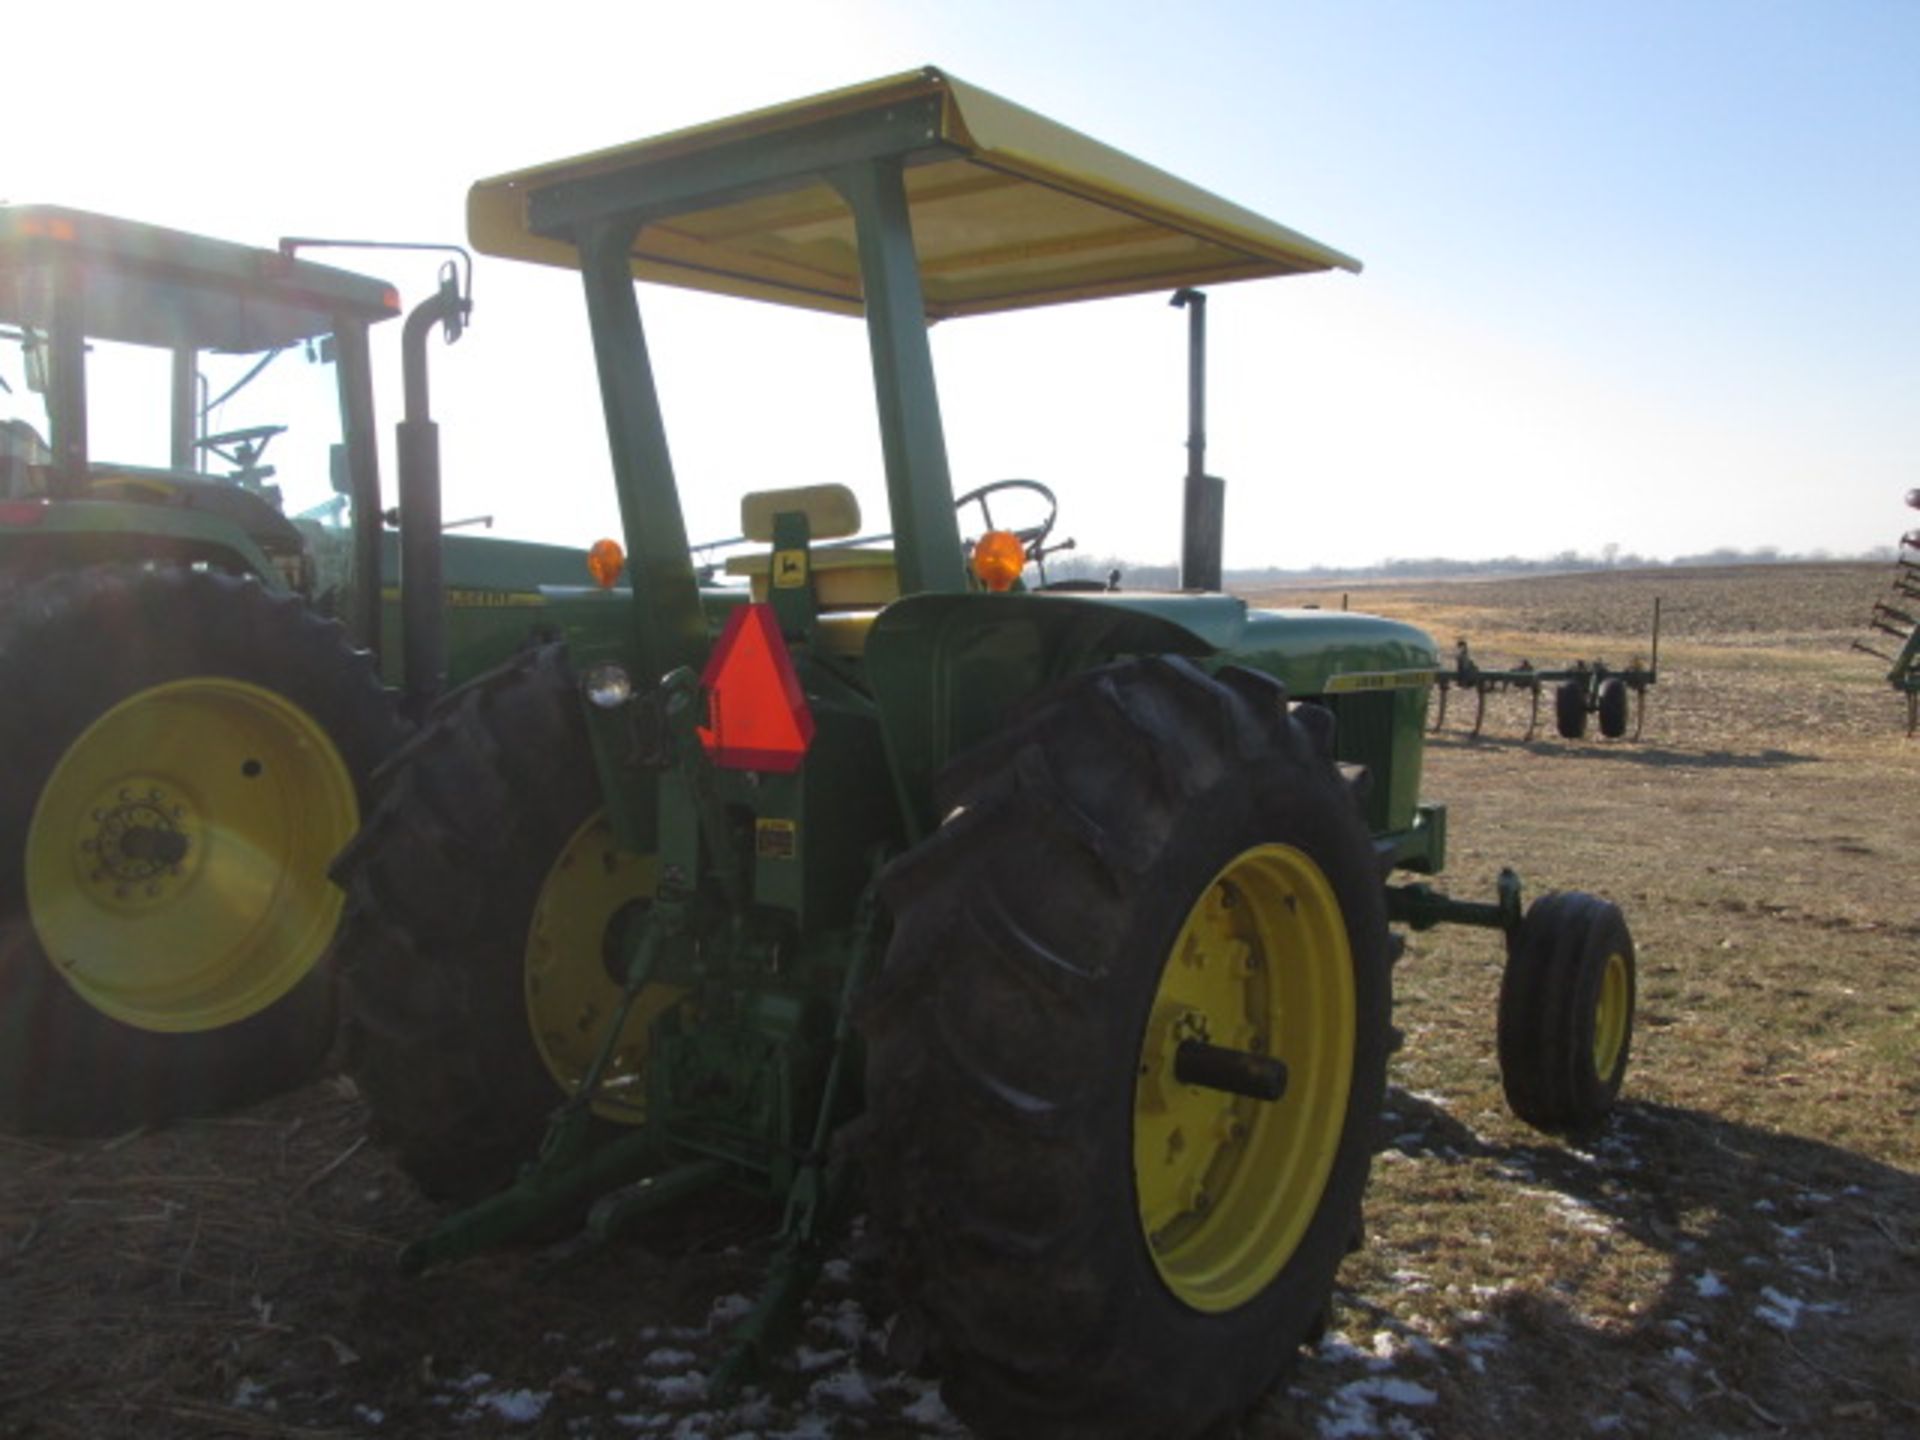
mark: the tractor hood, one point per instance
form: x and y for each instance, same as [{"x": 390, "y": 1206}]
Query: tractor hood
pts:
[{"x": 1009, "y": 209}]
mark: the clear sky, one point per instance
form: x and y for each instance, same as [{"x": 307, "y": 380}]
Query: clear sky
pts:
[{"x": 1639, "y": 274}]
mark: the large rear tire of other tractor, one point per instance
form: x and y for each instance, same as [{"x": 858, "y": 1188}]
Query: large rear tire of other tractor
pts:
[
  {"x": 1091, "y": 1247},
  {"x": 1566, "y": 1011},
  {"x": 1570, "y": 709},
  {"x": 1613, "y": 708},
  {"x": 482, "y": 892},
  {"x": 184, "y": 753}
]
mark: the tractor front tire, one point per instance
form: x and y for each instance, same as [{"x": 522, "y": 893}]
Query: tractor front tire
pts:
[
  {"x": 185, "y": 751},
  {"x": 481, "y": 893},
  {"x": 1093, "y": 1245},
  {"x": 1570, "y": 709},
  {"x": 1566, "y": 1011}
]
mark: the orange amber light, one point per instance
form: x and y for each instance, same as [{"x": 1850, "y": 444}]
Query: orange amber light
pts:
[
  {"x": 605, "y": 561},
  {"x": 998, "y": 558}
]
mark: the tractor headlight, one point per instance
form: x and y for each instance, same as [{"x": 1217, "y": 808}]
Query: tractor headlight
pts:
[{"x": 608, "y": 686}]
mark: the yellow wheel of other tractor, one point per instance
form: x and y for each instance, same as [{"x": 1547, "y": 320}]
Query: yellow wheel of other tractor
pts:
[
  {"x": 185, "y": 752},
  {"x": 1566, "y": 1011},
  {"x": 574, "y": 980},
  {"x": 176, "y": 863},
  {"x": 1151, "y": 893},
  {"x": 1227, "y": 1183}
]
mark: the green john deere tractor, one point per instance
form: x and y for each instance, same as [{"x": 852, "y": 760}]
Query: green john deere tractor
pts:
[
  {"x": 189, "y": 493},
  {"x": 1049, "y": 924}
]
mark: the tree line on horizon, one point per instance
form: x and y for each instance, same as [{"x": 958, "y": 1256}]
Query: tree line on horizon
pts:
[{"x": 1165, "y": 576}]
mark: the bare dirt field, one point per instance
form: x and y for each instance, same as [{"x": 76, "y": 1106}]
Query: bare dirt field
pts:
[{"x": 1737, "y": 1254}]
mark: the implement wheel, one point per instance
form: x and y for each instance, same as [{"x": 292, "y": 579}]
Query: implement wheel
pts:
[
  {"x": 485, "y": 892},
  {"x": 184, "y": 754},
  {"x": 1613, "y": 708},
  {"x": 1570, "y": 709},
  {"x": 1566, "y": 1011},
  {"x": 1098, "y": 1243}
]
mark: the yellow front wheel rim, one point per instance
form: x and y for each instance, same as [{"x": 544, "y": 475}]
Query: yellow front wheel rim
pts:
[
  {"x": 176, "y": 860},
  {"x": 1227, "y": 1185},
  {"x": 1610, "y": 1016},
  {"x": 571, "y": 991}
]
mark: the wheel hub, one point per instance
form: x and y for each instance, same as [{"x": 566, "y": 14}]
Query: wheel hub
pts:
[{"x": 142, "y": 846}]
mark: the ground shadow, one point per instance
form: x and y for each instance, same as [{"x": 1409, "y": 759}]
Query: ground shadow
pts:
[
  {"x": 1790, "y": 1295},
  {"x": 1625, "y": 752}
]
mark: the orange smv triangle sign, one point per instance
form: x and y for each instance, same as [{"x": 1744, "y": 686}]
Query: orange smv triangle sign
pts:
[{"x": 757, "y": 715}]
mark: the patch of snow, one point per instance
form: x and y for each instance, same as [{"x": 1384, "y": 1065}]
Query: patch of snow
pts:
[
  {"x": 1607, "y": 1424},
  {"x": 846, "y": 1387},
  {"x": 845, "y": 1321},
  {"x": 367, "y": 1415},
  {"x": 727, "y": 1309},
  {"x": 930, "y": 1410},
  {"x": 1764, "y": 1206},
  {"x": 837, "y": 1272},
  {"x": 757, "y": 1410},
  {"x": 1407, "y": 1141},
  {"x": 248, "y": 1394},
  {"x": 698, "y": 1426},
  {"x": 1680, "y": 1355},
  {"x": 521, "y": 1407},
  {"x": 806, "y": 1359},
  {"x": 1780, "y": 1311},
  {"x": 640, "y": 1421},
  {"x": 1790, "y": 1232},
  {"x": 668, "y": 1358},
  {"x": 677, "y": 1389},
  {"x": 1708, "y": 1286},
  {"x": 1337, "y": 1347},
  {"x": 1351, "y": 1408},
  {"x": 473, "y": 1382}
]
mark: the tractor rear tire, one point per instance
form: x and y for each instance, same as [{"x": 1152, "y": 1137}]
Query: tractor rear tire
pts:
[
  {"x": 451, "y": 887},
  {"x": 185, "y": 751},
  {"x": 1566, "y": 1011},
  {"x": 1613, "y": 708},
  {"x": 1570, "y": 709},
  {"x": 1092, "y": 1245}
]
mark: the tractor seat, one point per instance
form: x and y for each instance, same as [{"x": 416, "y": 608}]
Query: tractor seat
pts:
[
  {"x": 849, "y": 577},
  {"x": 845, "y": 579}
]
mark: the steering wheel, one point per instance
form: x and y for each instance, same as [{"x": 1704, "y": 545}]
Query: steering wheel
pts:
[
  {"x": 1033, "y": 535},
  {"x": 255, "y": 435}
]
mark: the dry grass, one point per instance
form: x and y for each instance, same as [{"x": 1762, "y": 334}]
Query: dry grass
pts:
[{"x": 1739, "y": 1254}]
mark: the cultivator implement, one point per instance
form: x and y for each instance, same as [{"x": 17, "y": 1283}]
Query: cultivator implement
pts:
[
  {"x": 1898, "y": 618},
  {"x": 1586, "y": 688}
]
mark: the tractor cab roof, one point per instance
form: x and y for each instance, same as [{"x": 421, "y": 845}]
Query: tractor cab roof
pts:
[
  {"x": 1009, "y": 209},
  {"x": 148, "y": 285}
]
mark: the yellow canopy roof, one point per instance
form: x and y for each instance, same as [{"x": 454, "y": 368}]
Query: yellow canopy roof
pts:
[{"x": 1009, "y": 210}]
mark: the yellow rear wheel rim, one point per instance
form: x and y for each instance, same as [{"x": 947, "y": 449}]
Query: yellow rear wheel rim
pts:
[
  {"x": 1610, "y": 1016},
  {"x": 176, "y": 861},
  {"x": 571, "y": 993},
  {"x": 1226, "y": 1185}
]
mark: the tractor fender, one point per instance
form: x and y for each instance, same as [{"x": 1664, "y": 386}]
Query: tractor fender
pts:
[
  {"x": 38, "y": 537},
  {"x": 947, "y": 671}
]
